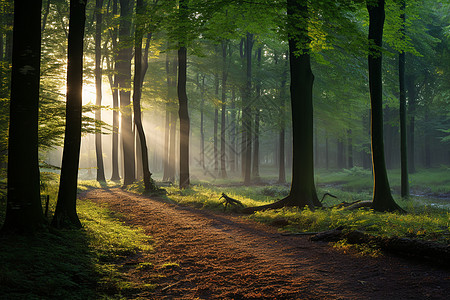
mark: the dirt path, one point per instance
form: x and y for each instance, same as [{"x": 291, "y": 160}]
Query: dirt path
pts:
[{"x": 221, "y": 256}]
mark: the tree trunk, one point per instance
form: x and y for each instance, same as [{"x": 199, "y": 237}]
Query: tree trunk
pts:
[
  {"x": 350, "y": 148},
  {"x": 382, "y": 198},
  {"x": 115, "y": 96},
  {"x": 403, "y": 140},
  {"x": 303, "y": 190},
  {"x": 124, "y": 80},
  {"x": 23, "y": 210},
  {"x": 327, "y": 160},
  {"x": 255, "y": 167},
  {"x": 410, "y": 81},
  {"x": 233, "y": 133},
  {"x": 282, "y": 133},
  {"x": 202, "y": 131},
  {"x": 98, "y": 90},
  {"x": 340, "y": 154},
  {"x": 65, "y": 212},
  {"x": 216, "y": 124},
  {"x": 223, "y": 170},
  {"x": 247, "y": 110},
  {"x": 139, "y": 74},
  {"x": 183, "y": 104}
]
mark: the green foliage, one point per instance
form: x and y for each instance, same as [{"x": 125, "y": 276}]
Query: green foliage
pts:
[
  {"x": 72, "y": 264},
  {"x": 422, "y": 222}
]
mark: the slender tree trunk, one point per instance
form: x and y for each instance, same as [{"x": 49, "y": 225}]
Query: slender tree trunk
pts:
[
  {"x": 233, "y": 134},
  {"x": 223, "y": 170},
  {"x": 202, "y": 131},
  {"x": 427, "y": 147},
  {"x": 247, "y": 110},
  {"x": 340, "y": 154},
  {"x": 112, "y": 77},
  {"x": 350, "y": 148},
  {"x": 124, "y": 80},
  {"x": 411, "y": 112},
  {"x": 98, "y": 90},
  {"x": 282, "y": 132},
  {"x": 403, "y": 140},
  {"x": 23, "y": 210},
  {"x": 255, "y": 167},
  {"x": 216, "y": 125},
  {"x": 65, "y": 212},
  {"x": 183, "y": 104},
  {"x": 173, "y": 145},
  {"x": 327, "y": 160},
  {"x": 139, "y": 74},
  {"x": 382, "y": 197}
]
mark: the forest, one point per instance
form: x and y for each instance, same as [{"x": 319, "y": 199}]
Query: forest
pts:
[{"x": 224, "y": 149}]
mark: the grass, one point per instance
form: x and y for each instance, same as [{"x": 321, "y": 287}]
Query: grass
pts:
[
  {"x": 73, "y": 264},
  {"x": 424, "y": 221}
]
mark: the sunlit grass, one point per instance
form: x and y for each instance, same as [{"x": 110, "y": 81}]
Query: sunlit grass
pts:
[
  {"x": 422, "y": 221},
  {"x": 73, "y": 264}
]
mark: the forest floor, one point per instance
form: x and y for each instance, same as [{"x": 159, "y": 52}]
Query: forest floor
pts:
[{"x": 201, "y": 254}]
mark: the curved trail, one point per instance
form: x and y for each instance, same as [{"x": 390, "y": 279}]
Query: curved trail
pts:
[{"x": 223, "y": 256}]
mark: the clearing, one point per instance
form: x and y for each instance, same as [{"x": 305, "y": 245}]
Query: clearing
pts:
[{"x": 208, "y": 255}]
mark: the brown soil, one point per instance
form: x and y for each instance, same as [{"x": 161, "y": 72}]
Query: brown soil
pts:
[{"x": 224, "y": 256}]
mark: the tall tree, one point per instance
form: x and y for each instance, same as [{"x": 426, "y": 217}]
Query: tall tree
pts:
[
  {"x": 23, "y": 209},
  {"x": 255, "y": 166},
  {"x": 139, "y": 73},
  {"x": 247, "y": 111},
  {"x": 281, "y": 134},
  {"x": 403, "y": 136},
  {"x": 112, "y": 76},
  {"x": 303, "y": 191},
  {"x": 98, "y": 89},
  {"x": 65, "y": 212},
  {"x": 183, "y": 101},
  {"x": 223, "y": 170},
  {"x": 382, "y": 197},
  {"x": 124, "y": 84}
]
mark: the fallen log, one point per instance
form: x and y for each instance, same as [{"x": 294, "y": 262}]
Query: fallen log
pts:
[{"x": 425, "y": 250}]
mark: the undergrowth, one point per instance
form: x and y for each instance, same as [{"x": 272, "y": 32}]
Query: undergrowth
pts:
[
  {"x": 421, "y": 222},
  {"x": 73, "y": 264}
]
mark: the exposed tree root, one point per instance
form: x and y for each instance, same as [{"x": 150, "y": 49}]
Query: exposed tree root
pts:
[
  {"x": 425, "y": 250},
  {"x": 287, "y": 201}
]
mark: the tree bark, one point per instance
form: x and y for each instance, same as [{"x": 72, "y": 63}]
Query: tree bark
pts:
[
  {"x": 98, "y": 90},
  {"x": 139, "y": 73},
  {"x": 410, "y": 82},
  {"x": 223, "y": 170},
  {"x": 202, "y": 131},
  {"x": 23, "y": 210},
  {"x": 282, "y": 133},
  {"x": 247, "y": 111},
  {"x": 183, "y": 104},
  {"x": 349, "y": 149},
  {"x": 115, "y": 95},
  {"x": 216, "y": 124},
  {"x": 402, "y": 111},
  {"x": 232, "y": 153},
  {"x": 65, "y": 212},
  {"x": 124, "y": 84},
  {"x": 255, "y": 166},
  {"x": 382, "y": 197}
]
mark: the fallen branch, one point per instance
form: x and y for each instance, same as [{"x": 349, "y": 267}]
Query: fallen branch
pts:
[
  {"x": 328, "y": 194},
  {"x": 230, "y": 201}
]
